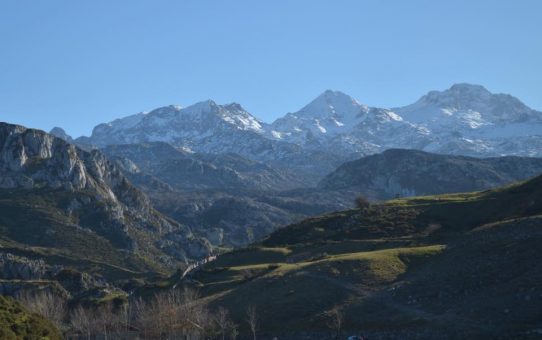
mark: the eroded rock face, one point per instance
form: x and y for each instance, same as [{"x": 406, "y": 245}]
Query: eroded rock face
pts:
[
  {"x": 19, "y": 275},
  {"x": 32, "y": 158},
  {"x": 20, "y": 268},
  {"x": 36, "y": 162}
]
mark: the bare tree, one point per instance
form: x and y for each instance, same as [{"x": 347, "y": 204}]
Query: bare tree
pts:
[
  {"x": 105, "y": 320},
  {"x": 223, "y": 321},
  {"x": 336, "y": 321},
  {"x": 123, "y": 317},
  {"x": 81, "y": 321},
  {"x": 252, "y": 320},
  {"x": 173, "y": 313},
  {"x": 234, "y": 332},
  {"x": 47, "y": 304},
  {"x": 142, "y": 318}
]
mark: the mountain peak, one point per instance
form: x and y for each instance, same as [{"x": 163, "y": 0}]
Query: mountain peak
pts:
[
  {"x": 458, "y": 96},
  {"x": 200, "y": 107},
  {"x": 60, "y": 133},
  {"x": 333, "y": 96},
  {"x": 234, "y": 107},
  {"x": 466, "y": 106},
  {"x": 331, "y": 103},
  {"x": 466, "y": 87}
]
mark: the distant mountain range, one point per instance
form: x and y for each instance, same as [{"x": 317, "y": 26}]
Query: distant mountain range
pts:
[
  {"x": 463, "y": 120},
  {"x": 121, "y": 213},
  {"x": 197, "y": 171},
  {"x": 147, "y": 194},
  {"x": 233, "y": 201},
  {"x": 226, "y": 198},
  {"x": 199, "y": 162}
]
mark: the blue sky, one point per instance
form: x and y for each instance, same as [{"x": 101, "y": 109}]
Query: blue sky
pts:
[{"x": 78, "y": 63}]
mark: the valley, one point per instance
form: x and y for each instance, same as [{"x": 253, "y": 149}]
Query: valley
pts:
[{"x": 337, "y": 219}]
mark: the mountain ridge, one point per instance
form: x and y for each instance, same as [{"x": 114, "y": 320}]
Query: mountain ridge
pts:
[
  {"x": 464, "y": 119},
  {"x": 401, "y": 172}
]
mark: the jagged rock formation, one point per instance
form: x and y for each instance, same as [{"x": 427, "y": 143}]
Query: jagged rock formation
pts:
[
  {"x": 16, "y": 267},
  {"x": 83, "y": 192}
]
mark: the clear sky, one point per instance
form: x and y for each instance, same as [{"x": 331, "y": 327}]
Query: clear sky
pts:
[{"x": 79, "y": 63}]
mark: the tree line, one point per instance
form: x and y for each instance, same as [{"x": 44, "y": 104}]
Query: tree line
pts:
[{"x": 172, "y": 314}]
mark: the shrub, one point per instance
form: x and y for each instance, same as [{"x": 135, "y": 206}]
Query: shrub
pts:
[
  {"x": 273, "y": 266},
  {"x": 17, "y": 323},
  {"x": 362, "y": 203}
]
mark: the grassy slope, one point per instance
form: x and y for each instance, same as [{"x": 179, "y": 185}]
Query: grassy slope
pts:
[
  {"x": 35, "y": 225},
  {"x": 17, "y": 323},
  {"x": 451, "y": 265}
]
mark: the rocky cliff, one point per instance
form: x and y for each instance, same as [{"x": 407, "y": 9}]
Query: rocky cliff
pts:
[{"x": 81, "y": 194}]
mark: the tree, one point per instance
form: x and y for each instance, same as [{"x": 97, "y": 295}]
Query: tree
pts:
[
  {"x": 234, "y": 332},
  {"x": 142, "y": 318},
  {"x": 252, "y": 320},
  {"x": 362, "y": 203},
  {"x": 222, "y": 321},
  {"x": 81, "y": 321},
  {"x": 336, "y": 321},
  {"x": 47, "y": 304},
  {"x": 105, "y": 320},
  {"x": 172, "y": 313}
]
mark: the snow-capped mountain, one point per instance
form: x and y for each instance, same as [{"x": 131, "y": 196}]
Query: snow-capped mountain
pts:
[
  {"x": 331, "y": 113},
  {"x": 471, "y": 105},
  {"x": 176, "y": 125},
  {"x": 464, "y": 119},
  {"x": 207, "y": 127},
  {"x": 468, "y": 119},
  {"x": 338, "y": 123}
]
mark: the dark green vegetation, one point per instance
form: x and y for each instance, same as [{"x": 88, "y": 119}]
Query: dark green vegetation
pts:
[
  {"x": 450, "y": 266},
  {"x": 17, "y": 323}
]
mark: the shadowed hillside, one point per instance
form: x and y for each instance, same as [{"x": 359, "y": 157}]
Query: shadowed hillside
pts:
[
  {"x": 450, "y": 266},
  {"x": 400, "y": 172}
]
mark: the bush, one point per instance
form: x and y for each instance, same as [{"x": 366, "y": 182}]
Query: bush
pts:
[
  {"x": 248, "y": 274},
  {"x": 17, "y": 323},
  {"x": 273, "y": 266},
  {"x": 362, "y": 203}
]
